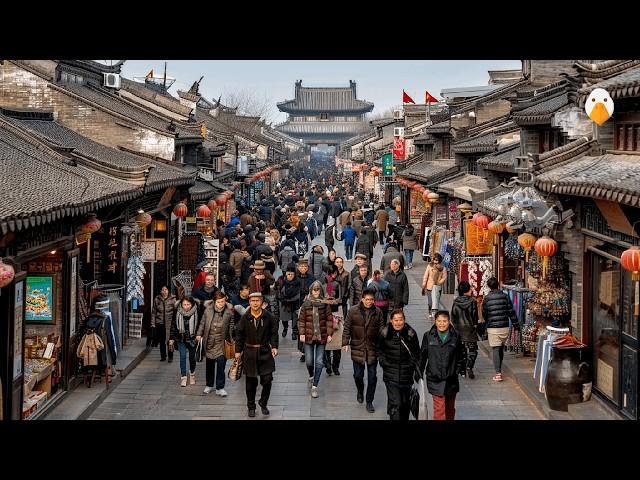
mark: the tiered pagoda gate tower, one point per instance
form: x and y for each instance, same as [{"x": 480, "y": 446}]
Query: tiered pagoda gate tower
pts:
[{"x": 324, "y": 115}]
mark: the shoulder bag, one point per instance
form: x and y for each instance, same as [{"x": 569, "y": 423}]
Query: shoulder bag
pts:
[
  {"x": 229, "y": 350},
  {"x": 235, "y": 371},
  {"x": 200, "y": 350}
]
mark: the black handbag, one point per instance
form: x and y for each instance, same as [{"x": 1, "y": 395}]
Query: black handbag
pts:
[
  {"x": 481, "y": 330},
  {"x": 200, "y": 348}
]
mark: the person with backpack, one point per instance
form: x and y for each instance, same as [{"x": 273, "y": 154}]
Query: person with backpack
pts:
[
  {"x": 315, "y": 262},
  {"x": 288, "y": 254}
]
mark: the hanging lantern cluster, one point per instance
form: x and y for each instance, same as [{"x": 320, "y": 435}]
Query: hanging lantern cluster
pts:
[
  {"x": 261, "y": 174},
  {"x": 180, "y": 210},
  {"x": 546, "y": 248},
  {"x": 7, "y": 273},
  {"x": 526, "y": 241},
  {"x": 630, "y": 261}
]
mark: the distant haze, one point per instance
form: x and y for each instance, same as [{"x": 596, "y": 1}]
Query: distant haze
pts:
[{"x": 378, "y": 81}]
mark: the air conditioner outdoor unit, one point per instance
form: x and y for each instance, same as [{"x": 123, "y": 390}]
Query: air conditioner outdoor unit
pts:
[
  {"x": 398, "y": 131},
  {"x": 398, "y": 114},
  {"x": 112, "y": 80}
]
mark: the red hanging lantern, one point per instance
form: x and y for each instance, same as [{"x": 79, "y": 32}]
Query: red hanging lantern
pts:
[
  {"x": 425, "y": 196},
  {"x": 92, "y": 225},
  {"x": 496, "y": 229},
  {"x": 203, "y": 211},
  {"x": 143, "y": 219},
  {"x": 526, "y": 241},
  {"x": 546, "y": 248},
  {"x": 180, "y": 210},
  {"x": 220, "y": 201},
  {"x": 7, "y": 272},
  {"x": 630, "y": 261},
  {"x": 211, "y": 204}
]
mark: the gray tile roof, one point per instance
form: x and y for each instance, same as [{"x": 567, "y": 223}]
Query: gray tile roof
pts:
[
  {"x": 559, "y": 156},
  {"x": 111, "y": 101},
  {"x": 429, "y": 172},
  {"x": 440, "y": 127},
  {"x": 491, "y": 96},
  {"x": 608, "y": 177},
  {"x": 595, "y": 72},
  {"x": 481, "y": 143},
  {"x": 486, "y": 201},
  {"x": 542, "y": 112},
  {"x": 325, "y": 99},
  {"x": 626, "y": 84},
  {"x": 42, "y": 187},
  {"x": 153, "y": 96},
  {"x": 202, "y": 191},
  {"x": 503, "y": 159},
  {"x": 110, "y": 161}
]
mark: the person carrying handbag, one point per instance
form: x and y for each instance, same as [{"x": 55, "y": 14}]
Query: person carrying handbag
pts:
[
  {"x": 399, "y": 354},
  {"x": 183, "y": 333},
  {"x": 214, "y": 330},
  {"x": 434, "y": 277}
]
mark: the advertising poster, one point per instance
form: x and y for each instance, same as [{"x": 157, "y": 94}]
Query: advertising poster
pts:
[{"x": 39, "y": 305}]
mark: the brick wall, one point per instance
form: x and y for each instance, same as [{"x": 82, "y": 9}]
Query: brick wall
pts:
[
  {"x": 489, "y": 111},
  {"x": 22, "y": 89},
  {"x": 544, "y": 72}
]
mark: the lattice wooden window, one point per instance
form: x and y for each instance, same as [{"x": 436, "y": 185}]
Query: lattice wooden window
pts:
[{"x": 627, "y": 136}]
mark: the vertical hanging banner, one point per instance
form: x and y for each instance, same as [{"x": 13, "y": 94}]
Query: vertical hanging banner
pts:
[
  {"x": 387, "y": 164},
  {"x": 398, "y": 148}
]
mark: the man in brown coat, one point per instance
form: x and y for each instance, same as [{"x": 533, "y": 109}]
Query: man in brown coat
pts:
[
  {"x": 382, "y": 218},
  {"x": 361, "y": 330}
]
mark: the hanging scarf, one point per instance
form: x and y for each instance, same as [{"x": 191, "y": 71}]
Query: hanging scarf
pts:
[
  {"x": 193, "y": 317},
  {"x": 316, "y": 318}
]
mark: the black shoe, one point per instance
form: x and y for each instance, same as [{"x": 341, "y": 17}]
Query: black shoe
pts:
[
  {"x": 329, "y": 371},
  {"x": 294, "y": 336},
  {"x": 162, "y": 359},
  {"x": 370, "y": 408},
  {"x": 264, "y": 410},
  {"x": 360, "y": 397},
  {"x": 302, "y": 358},
  {"x": 252, "y": 412},
  {"x": 284, "y": 333},
  {"x": 471, "y": 374},
  {"x": 336, "y": 371},
  {"x": 170, "y": 360}
]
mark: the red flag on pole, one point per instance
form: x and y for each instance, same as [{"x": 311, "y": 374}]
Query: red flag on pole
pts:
[
  {"x": 428, "y": 98},
  {"x": 406, "y": 98}
]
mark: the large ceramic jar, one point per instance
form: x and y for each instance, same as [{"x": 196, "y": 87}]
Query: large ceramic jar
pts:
[{"x": 566, "y": 375}]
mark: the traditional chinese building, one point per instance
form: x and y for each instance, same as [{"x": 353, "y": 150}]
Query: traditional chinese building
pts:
[{"x": 324, "y": 115}]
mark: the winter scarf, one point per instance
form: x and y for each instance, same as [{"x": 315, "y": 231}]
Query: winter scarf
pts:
[{"x": 193, "y": 318}]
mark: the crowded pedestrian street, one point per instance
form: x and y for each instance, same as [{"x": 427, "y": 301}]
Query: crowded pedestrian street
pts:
[
  {"x": 182, "y": 249},
  {"x": 152, "y": 391}
]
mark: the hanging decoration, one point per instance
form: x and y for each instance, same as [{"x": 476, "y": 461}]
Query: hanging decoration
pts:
[
  {"x": 550, "y": 300},
  {"x": 630, "y": 261},
  {"x": 180, "y": 210},
  {"x": 91, "y": 225},
  {"x": 496, "y": 229},
  {"x": 212, "y": 204},
  {"x": 526, "y": 241},
  {"x": 7, "y": 272},
  {"x": 546, "y": 247},
  {"x": 135, "y": 275},
  {"x": 203, "y": 211}
]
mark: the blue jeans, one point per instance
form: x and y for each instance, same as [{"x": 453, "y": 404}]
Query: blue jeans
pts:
[
  {"x": 409, "y": 255},
  {"x": 182, "y": 348},
  {"x": 216, "y": 365},
  {"x": 372, "y": 379},
  {"x": 348, "y": 251},
  {"x": 314, "y": 363}
]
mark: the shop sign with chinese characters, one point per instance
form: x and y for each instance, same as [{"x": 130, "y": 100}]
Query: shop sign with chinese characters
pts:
[{"x": 112, "y": 253}]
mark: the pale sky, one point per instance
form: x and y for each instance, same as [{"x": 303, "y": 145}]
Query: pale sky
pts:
[{"x": 378, "y": 81}]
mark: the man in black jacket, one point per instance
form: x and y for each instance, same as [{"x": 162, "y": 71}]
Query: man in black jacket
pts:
[
  {"x": 443, "y": 356},
  {"x": 464, "y": 317},
  {"x": 361, "y": 331},
  {"x": 257, "y": 338},
  {"x": 497, "y": 310},
  {"x": 399, "y": 354}
]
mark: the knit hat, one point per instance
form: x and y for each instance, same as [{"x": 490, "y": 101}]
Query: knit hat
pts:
[{"x": 255, "y": 295}]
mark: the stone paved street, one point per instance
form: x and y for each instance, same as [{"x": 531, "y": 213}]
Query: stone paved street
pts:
[{"x": 152, "y": 390}]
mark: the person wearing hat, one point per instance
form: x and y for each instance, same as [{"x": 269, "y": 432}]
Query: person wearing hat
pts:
[
  {"x": 257, "y": 346},
  {"x": 260, "y": 280}
]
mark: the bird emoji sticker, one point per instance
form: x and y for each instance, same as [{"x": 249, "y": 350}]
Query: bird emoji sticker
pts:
[{"x": 599, "y": 106}]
